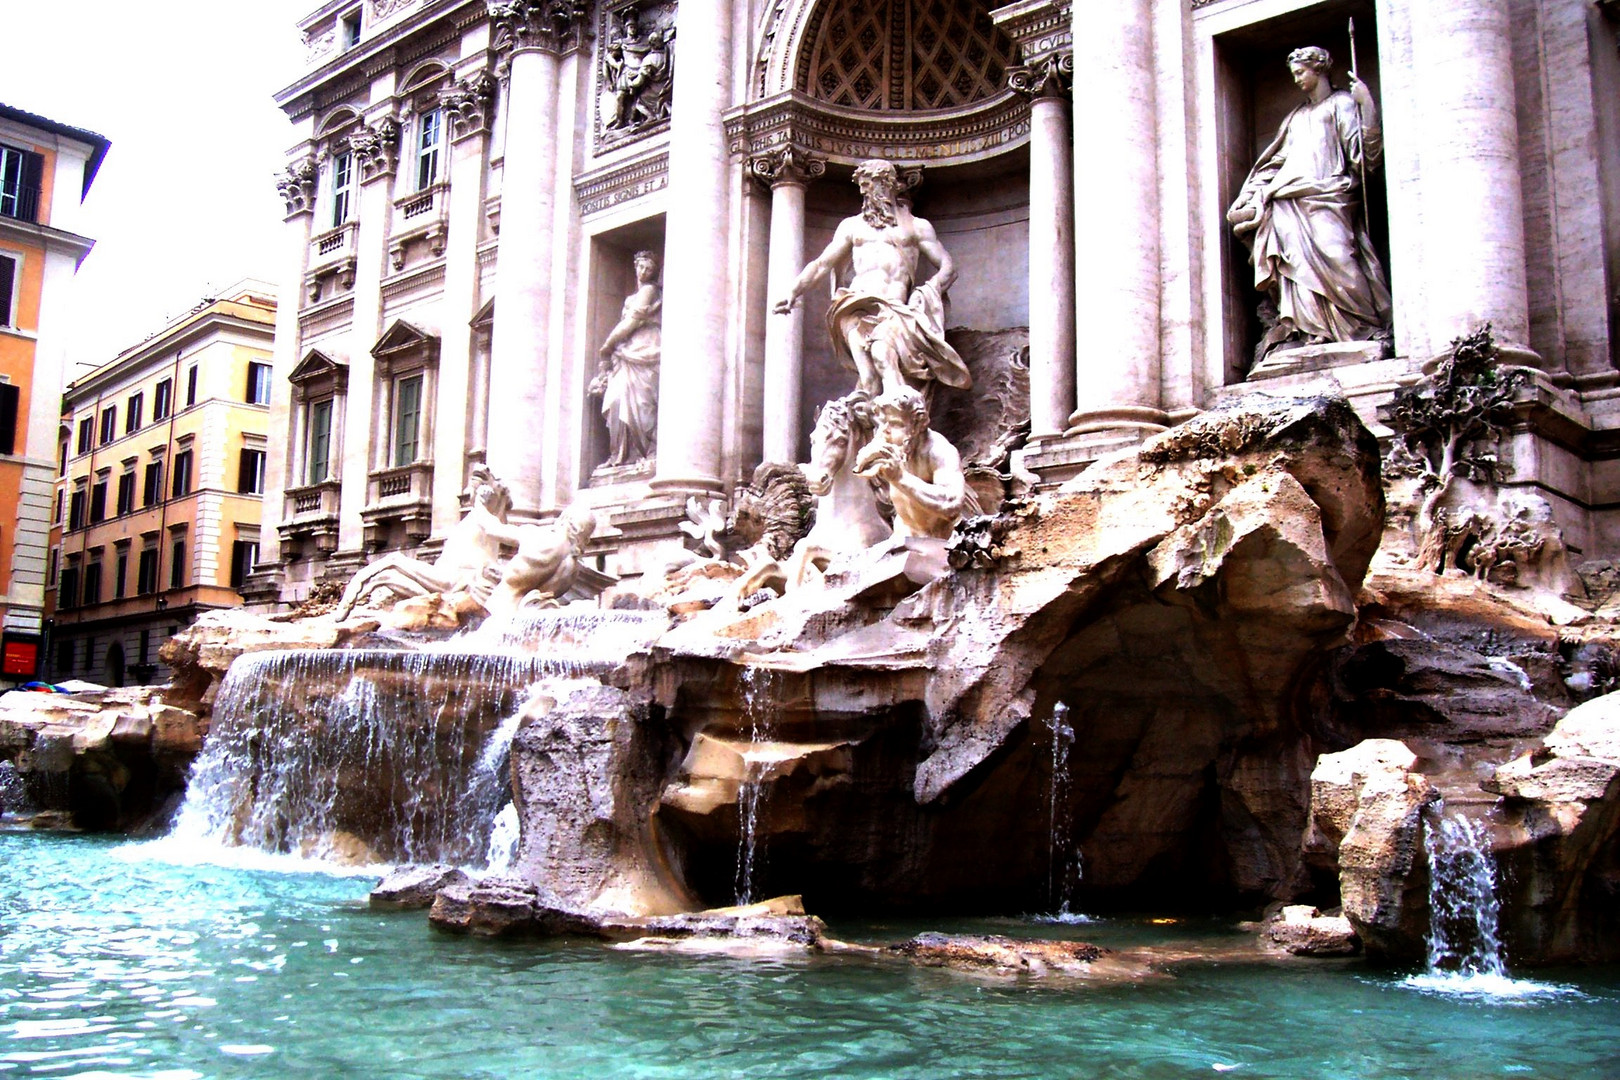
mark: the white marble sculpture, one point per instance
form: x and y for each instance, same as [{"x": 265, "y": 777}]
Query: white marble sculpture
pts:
[
  {"x": 1300, "y": 211},
  {"x": 884, "y": 325},
  {"x": 469, "y": 561},
  {"x": 548, "y": 564},
  {"x": 627, "y": 376},
  {"x": 922, "y": 469}
]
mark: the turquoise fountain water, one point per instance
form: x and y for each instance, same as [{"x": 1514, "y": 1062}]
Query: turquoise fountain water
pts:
[{"x": 118, "y": 963}]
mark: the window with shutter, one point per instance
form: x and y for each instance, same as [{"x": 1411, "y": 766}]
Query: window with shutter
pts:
[
  {"x": 10, "y": 395},
  {"x": 8, "y": 286}
]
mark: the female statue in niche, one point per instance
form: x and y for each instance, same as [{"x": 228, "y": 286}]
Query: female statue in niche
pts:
[
  {"x": 1300, "y": 213},
  {"x": 627, "y": 375}
]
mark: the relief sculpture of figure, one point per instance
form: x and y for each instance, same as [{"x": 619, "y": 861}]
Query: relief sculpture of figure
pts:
[
  {"x": 637, "y": 64},
  {"x": 627, "y": 375},
  {"x": 1300, "y": 211},
  {"x": 884, "y": 325},
  {"x": 920, "y": 466},
  {"x": 470, "y": 560}
]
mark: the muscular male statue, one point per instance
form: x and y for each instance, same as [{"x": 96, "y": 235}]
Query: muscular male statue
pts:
[
  {"x": 920, "y": 466},
  {"x": 889, "y": 329},
  {"x": 547, "y": 562}
]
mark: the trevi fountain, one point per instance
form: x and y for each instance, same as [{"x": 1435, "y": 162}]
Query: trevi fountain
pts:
[{"x": 1257, "y": 743}]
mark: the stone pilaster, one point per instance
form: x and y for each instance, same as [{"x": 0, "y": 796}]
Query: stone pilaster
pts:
[
  {"x": 467, "y": 105},
  {"x": 692, "y": 375},
  {"x": 1116, "y": 192},
  {"x": 787, "y": 172},
  {"x": 297, "y": 187},
  {"x": 533, "y": 36},
  {"x": 1473, "y": 207}
]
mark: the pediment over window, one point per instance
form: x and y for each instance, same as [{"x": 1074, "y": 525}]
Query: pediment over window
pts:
[
  {"x": 485, "y": 319},
  {"x": 316, "y": 366},
  {"x": 402, "y": 339}
]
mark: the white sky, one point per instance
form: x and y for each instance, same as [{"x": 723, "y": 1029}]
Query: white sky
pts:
[{"x": 185, "y": 199}]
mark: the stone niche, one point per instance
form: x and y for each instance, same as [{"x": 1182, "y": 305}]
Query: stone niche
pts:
[
  {"x": 612, "y": 278},
  {"x": 981, "y": 214},
  {"x": 1254, "y": 94}
]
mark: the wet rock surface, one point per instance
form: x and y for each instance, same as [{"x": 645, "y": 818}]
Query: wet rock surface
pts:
[
  {"x": 1302, "y": 930},
  {"x": 416, "y": 886},
  {"x": 1002, "y": 955}
]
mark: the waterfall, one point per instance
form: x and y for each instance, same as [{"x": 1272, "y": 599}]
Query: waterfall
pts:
[
  {"x": 503, "y": 841},
  {"x": 359, "y": 755},
  {"x": 13, "y": 790},
  {"x": 1463, "y": 911},
  {"x": 759, "y": 687}
]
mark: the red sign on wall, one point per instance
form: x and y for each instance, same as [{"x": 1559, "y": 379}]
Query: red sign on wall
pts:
[{"x": 19, "y": 655}]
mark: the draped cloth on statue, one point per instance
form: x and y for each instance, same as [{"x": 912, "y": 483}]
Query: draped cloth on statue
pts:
[
  {"x": 915, "y": 330},
  {"x": 630, "y": 396},
  {"x": 1311, "y": 247}
]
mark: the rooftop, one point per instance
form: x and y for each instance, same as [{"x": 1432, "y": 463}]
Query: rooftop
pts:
[{"x": 97, "y": 143}]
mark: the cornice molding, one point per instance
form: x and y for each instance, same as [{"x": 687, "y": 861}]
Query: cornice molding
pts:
[
  {"x": 850, "y": 136},
  {"x": 606, "y": 188}
]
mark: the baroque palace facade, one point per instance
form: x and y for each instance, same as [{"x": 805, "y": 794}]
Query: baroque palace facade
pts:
[{"x": 546, "y": 236}]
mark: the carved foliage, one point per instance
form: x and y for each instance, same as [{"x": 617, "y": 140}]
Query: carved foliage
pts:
[
  {"x": 553, "y": 25},
  {"x": 296, "y": 185},
  {"x": 467, "y": 103},
  {"x": 376, "y": 149},
  {"x": 1451, "y": 422}
]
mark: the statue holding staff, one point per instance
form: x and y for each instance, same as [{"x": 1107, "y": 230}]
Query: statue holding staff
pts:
[{"x": 1300, "y": 212}]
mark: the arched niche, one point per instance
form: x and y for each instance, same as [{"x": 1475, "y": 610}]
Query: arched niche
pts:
[{"x": 920, "y": 83}]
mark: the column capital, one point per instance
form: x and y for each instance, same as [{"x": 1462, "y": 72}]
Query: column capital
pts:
[
  {"x": 467, "y": 103},
  {"x": 376, "y": 149},
  {"x": 296, "y": 185},
  {"x": 786, "y": 165},
  {"x": 554, "y": 26},
  {"x": 1052, "y": 76}
]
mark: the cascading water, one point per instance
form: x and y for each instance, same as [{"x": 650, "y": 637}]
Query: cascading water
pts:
[
  {"x": 503, "y": 841},
  {"x": 1463, "y": 911},
  {"x": 1059, "y": 884},
  {"x": 758, "y": 695},
  {"x": 13, "y": 791},
  {"x": 1465, "y": 951},
  {"x": 362, "y": 755}
]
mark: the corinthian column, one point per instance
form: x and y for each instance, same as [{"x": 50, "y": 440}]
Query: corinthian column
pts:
[
  {"x": 1051, "y": 248},
  {"x": 533, "y": 35},
  {"x": 1473, "y": 209},
  {"x": 691, "y": 377},
  {"x": 788, "y": 172},
  {"x": 1116, "y": 220}
]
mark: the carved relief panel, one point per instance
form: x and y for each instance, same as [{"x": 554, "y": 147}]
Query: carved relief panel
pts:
[{"x": 635, "y": 70}]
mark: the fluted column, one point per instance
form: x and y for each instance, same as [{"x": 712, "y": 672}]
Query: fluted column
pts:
[
  {"x": 788, "y": 172},
  {"x": 1116, "y": 189},
  {"x": 1473, "y": 208},
  {"x": 534, "y": 36},
  {"x": 691, "y": 378},
  {"x": 1051, "y": 247}
]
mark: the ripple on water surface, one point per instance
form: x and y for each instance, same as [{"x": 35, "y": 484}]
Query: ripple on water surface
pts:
[{"x": 115, "y": 963}]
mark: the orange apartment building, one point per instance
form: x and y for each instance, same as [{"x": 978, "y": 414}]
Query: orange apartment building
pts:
[
  {"x": 161, "y": 473},
  {"x": 46, "y": 169}
]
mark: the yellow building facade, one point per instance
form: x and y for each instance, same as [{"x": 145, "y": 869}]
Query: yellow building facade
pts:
[
  {"x": 46, "y": 169},
  {"x": 161, "y": 466}
]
